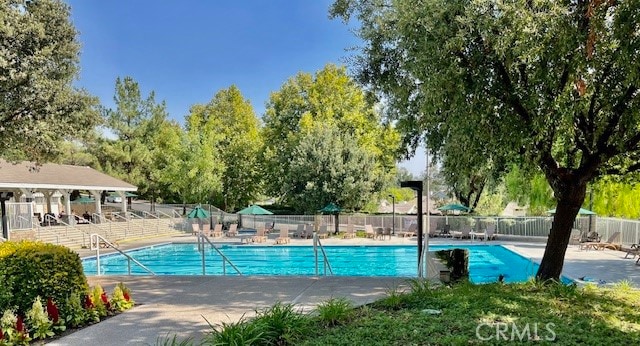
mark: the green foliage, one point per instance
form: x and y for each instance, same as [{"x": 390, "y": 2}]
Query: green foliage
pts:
[
  {"x": 12, "y": 334},
  {"x": 135, "y": 123},
  {"x": 335, "y": 311},
  {"x": 231, "y": 121},
  {"x": 173, "y": 341},
  {"x": 597, "y": 316},
  {"x": 99, "y": 305},
  {"x": 328, "y": 166},
  {"x": 548, "y": 84},
  {"x": 308, "y": 106},
  {"x": 32, "y": 269},
  {"x": 38, "y": 321},
  {"x": 616, "y": 198},
  {"x": 118, "y": 301},
  {"x": 280, "y": 324},
  {"x": 75, "y": 315},
  {"x": 241, "y": 333},
  {"x": 40, "y": 61}
]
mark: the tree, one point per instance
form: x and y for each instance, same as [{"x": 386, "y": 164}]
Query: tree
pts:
[
  {"x": 233, "y": 119},
  {"x": 39, "y": 107},
  {"x": 332, "y": 99},
  {"x": 134, "y": 122},
  {"x": 553, "y": 82},
  {"x": 329, "y": 166}
]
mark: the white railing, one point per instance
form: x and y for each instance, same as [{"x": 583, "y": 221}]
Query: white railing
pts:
[
  {"x": 201, "y": 243},
  {"x": 97, "y": 242},
  {"x": 325, "y": 260}
]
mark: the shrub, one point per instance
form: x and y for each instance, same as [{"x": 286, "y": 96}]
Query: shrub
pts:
[
  {"x": 238, "y": 333},
  {"x": 335, "y": 311},
  {"x": 281, "y": 324},
  {"x": 30, "y": 269},
  {"x": 120, "y": 299}
]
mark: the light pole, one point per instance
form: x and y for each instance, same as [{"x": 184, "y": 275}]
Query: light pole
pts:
[{"x": 393, "y": 215}]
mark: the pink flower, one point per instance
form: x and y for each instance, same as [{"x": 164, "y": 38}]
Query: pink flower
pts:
[{"x": 20, "y": 325}]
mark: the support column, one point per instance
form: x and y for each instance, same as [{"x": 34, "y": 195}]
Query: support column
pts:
[
  {"x": 47, "y": 198},
  {"x": 97, "y": 196},
  {"x": 123, "y": 204},
  {"x": 67, "y": 203}
]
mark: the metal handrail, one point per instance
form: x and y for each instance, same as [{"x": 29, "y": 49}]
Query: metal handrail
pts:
[
  {"x": 95, "y": 245},
  {"x": 201, "y": 240},
  {"x": 317, "y": 244},
  {"x": 84, "y": 233},
  {"x": 152, "y": 215}
]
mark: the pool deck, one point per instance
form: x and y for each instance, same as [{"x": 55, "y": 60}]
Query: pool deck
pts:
[{"x": 179, "y": 304}]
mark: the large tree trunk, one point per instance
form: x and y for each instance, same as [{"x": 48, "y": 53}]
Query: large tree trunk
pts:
[{"x": 571, "y": 197}]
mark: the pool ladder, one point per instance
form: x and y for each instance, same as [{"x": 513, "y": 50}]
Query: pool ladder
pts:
[
  {"x": 201, "y": 243},
  {"x": 317, "y": 244},
  {"x": 97, "y": 241}
]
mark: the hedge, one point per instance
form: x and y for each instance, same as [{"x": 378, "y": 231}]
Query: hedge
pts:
[{"x": 29, "y": 269}]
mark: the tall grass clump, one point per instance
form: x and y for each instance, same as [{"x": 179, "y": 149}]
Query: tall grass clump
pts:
[
  {"x": 281, "y": 324},
  {"x": 335, "y": 311}
]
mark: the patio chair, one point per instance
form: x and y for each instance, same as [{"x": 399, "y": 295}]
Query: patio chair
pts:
[
  {"x": 369, "y": 232},
  {"x": 284, "y": 236},
  {"x": 308, "y": 231},
  {"x": 350, "y": 232},
  {"x": 410, "y": 232},
  {"x": 233, "y": 230},
  {"x": 195, "y": 229},
  {"x": 323, "y": 233},
  {"x": 260, "y": 236},
  {"x": 217, "y": 230},
  {"x": 446, "y": 231},
  {"x": 612, "y": 243}
]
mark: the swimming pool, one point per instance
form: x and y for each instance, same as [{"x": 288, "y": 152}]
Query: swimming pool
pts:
[{"x": 486, "y": 262}]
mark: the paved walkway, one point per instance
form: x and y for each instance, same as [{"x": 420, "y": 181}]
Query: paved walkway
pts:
[{"x": 179, "y": 304}]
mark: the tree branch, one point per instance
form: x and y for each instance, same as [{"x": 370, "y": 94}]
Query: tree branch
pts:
[{"x": 509, "y": 97}]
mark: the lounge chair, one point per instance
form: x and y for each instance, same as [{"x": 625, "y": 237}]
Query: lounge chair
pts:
[
  {"x": 633, "y": 250},
  {"x": 233, "y": 230},
  {"x": 284, "y": 236},
  {"x": 299, "y": 233},
  {"x": 350, "y": 232},
  {"x": 308, "y": 231},
  {"x": 410, "y": 232},
  {"x": 217, "y": 230},
  {"x": 260, "y": 236},
  {"x": 369, "y": 232},
  {"x": 464, "y": 234},
  {"x": 446, "y": 231},
  {"x": 268, "y": 226},
  {"x": 488, "y": 234},
  {"x": 205, "y": 229},
  {"x": 323, "y": 233},
  {"x": 577, "y": 237},
  {"x": 612, "y": 243}
]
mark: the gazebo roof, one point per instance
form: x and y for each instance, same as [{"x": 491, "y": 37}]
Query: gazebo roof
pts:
[{"x": 51, "y": 176}]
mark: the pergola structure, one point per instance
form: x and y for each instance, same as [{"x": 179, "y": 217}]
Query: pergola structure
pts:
[{"x": 27, "y": 178}]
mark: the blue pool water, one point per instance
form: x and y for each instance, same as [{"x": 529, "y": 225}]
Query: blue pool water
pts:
[{"x": 486, "y": 262}]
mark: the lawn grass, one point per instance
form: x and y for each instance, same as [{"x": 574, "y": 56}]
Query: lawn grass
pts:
[
  {"x": 461, "y": 314},
  {"x": 591, "y": 316}
]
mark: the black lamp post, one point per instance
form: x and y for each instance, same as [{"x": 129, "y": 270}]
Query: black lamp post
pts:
[
  {"x": 393, "y": 215},
  {"x": 417, "y": 186}
]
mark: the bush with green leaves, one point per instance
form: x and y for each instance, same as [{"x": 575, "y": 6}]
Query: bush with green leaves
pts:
[
  {"x": 38, "y": 321},
  {"x": 335, "y": 311},
  {"x": 30, "y": 269},
  {"x": 281, "y": 324},
  {"x": 238, "y": 333}
]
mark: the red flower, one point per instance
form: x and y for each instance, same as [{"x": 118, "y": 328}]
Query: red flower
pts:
[
  {"x": 20, "y": 325},
  {"x": 105, "y": 300},
  {"x": 88, "y": 303},
  {"x": 52, "y": 310},
  {"x": 126, "y": 296},
  {"x": 1, "y": 335}
]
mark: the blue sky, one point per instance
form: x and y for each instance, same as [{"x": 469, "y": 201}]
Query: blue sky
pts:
[{"x": 186, "y": 51}]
